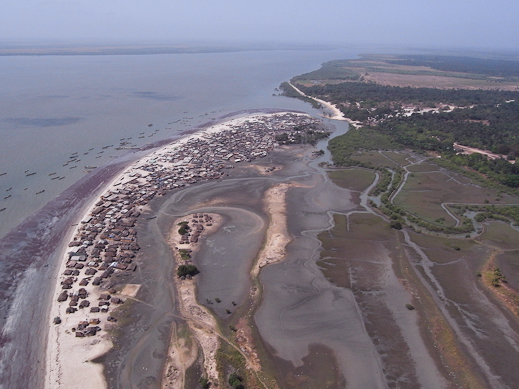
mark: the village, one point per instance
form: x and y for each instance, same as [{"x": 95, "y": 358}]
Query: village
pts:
[{"x": 106, "y": 245}]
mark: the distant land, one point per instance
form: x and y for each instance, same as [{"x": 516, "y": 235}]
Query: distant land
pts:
[
  {"x": 435, "y": 141},
  {"x": 430, "y": 71},
  {"x": 42, "y": 48}
]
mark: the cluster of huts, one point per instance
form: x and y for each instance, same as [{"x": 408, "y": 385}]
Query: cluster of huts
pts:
[
  {"x": 195, "y": 228},
  {"x": 106, "y": 242}
]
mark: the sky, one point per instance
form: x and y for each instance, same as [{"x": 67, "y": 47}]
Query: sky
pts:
[{"x": 424, "y": 23}]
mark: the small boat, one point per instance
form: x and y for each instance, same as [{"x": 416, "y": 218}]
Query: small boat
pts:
[
  {"x": 55, "y": 178},
  {"x": 41, "y": 191},
  {"x": 3, "y": 209},
  {"x": 51, "y": 174},
  {"x": 91, "y": 149},
  {"x": 90, "y": 167},
  {"x": 30, "y": 174},
  {"x": 62, "y": 177},
  {"x": 73, "y": 167},
  {"x": 7, "y": 190},
  {"x": 6, "y": 197},
  {"x": 3, "y": 174}
]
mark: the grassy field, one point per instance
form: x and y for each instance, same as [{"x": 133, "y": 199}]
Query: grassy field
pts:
[
  {"x": 428, "y": 167},
  {"x": 374, "y": 157},
  {"x": 353, "y": 179},
  {"x": 424, "y": 192},
  {"x": 400, "y": 158}
]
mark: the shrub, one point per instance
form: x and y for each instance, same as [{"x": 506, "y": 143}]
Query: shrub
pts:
[
  {"x": 187, "y": 270},
  {"x": 396, "y": 225},
  {"x": 236, "y": 381},
  {"x": 204, "y": 383}
]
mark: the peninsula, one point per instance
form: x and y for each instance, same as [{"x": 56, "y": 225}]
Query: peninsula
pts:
[{"x": 104, "y": 249}]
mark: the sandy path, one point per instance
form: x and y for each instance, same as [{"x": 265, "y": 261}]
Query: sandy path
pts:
[
  {"x": 200, "y": 321},
  {"x": 336, "y": 112},
  {"x": 277, "y": 236}
]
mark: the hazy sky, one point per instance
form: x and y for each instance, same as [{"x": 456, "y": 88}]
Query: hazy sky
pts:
[{"x": 451, "y": 23}]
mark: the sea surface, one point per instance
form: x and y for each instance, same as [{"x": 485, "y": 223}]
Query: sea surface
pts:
[
  {"x": 62, "y": 114},
  {"x": 54, "y": 106}
]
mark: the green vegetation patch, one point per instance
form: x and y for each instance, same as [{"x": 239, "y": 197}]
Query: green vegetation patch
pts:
[
  {"x": 353, "y": 179},
  {"x": 289, "y": 91},
  {"x": 232, "y": 365},
  {"x": 506, "y": 213},
  {"x": 400, "y": 158},
  {"x": 184, "y": 228},
  {"x": 484, "y": 66},
  {"x": 426, "y": 167},
  {"x": 374, "y": 157},
  {"x": 423, "y": 194},
  {"x": 187, "y": 271},
  {"x": 332, "y": 70},
  {"x": 342, "y": 147}
]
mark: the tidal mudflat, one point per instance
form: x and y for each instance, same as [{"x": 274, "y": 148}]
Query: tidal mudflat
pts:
[{"x": 344, "y": 301}]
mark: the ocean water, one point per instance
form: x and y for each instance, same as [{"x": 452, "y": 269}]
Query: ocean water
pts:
[
  {"x": 54, "y": 106},
  {"x": 59, "y": 114}
]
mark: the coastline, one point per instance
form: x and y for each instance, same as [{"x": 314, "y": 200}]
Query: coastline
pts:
[
  {"x": 59, "y": 345},
  {"x": 336, "y": 112},
  {"x": 66, "y": 354}
]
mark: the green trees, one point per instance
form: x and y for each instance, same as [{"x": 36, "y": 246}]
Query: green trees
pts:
[
  {"x": 204, "y": 383},
  {"x": 187, "y": 270},
  {"x": 396, "y": 225},
  {"x": 497, "y": 277},
  {"x": 184, "y": 228},
  {"x": 236, "y": 381}
]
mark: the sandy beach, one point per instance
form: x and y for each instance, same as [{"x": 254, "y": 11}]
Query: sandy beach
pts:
[
  {"x": 69, "y": 356},
  {"x": 336, "y": 113}
]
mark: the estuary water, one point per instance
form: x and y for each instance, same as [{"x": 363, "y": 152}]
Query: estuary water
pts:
[{"x": 62, "y": 117}]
